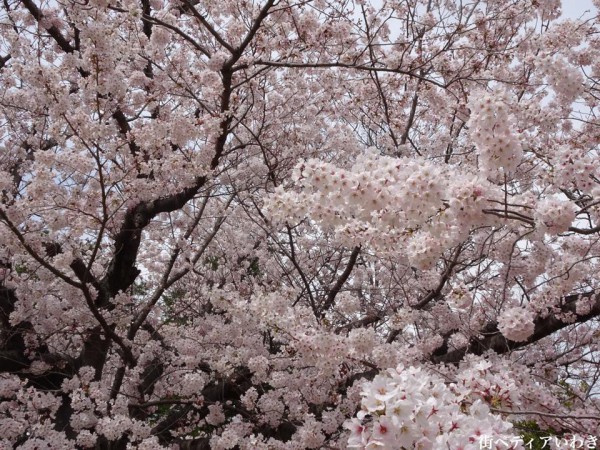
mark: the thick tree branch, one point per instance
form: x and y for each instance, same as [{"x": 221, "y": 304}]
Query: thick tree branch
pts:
[
  {"x": 62, "y": 42},
  {"x": 334, "y": 291},
  {"x": 264, "y": 12},
  {"x": 4, "y": 60},
  {"x": 492, "y": 339}
]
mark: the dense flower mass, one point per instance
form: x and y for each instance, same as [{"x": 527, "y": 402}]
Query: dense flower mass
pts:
[
  {"x": 555, "y": 214},
  {"x": 410, "y": 408},
  {"x": 516, "y": 324},
  {"x": 421, "y": 206},
  {"x": 283, "y": 225},
  {"x": 490, "y": 127}
]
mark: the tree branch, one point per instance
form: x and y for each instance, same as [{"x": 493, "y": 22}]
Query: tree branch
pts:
[
  {"x": 334, "y": 291},
  {"x": 52, "y": 31},
  {"x": 492, "y": 339}
]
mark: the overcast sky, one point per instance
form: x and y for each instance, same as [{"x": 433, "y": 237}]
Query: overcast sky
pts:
[{"x": 575, "y": 8}]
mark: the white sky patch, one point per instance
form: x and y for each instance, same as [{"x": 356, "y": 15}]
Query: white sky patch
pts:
[{"x": 575, "y": 9}]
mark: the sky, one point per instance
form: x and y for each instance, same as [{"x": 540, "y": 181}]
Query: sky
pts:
[{"x": 575, "y": 8}]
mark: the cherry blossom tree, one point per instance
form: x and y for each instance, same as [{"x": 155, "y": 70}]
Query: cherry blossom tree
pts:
[{"x": 279, "y": 224}]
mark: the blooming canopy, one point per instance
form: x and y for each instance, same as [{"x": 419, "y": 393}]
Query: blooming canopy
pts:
[{"x": 270, "y": 224}]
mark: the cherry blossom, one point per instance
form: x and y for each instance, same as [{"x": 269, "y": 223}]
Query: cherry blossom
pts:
[{"x": 271, "y": 224}]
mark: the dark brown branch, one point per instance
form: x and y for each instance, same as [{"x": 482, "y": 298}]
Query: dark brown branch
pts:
[
  {"x": 435, "y": 293},
  {"x": 289, "y": 64},
  {"x": 237, "y": 53},
  {"x": 52, "y": 31},
  {"x": 125, "y": 129},
  {"x": 334, "y": 291},
  {"x": 292, "y": 257},
  {"x": 585, "y": 230},
  {"x": 190, "y": 6},
  {"x": 122, "y": 271},
  {"x": 4, "y": 60},
  {"x": 31, "y": 251},
  {"x": 358, "y": 323},
  {"x": 179, "y": 31},
  {"x": 492, "y": 339}
]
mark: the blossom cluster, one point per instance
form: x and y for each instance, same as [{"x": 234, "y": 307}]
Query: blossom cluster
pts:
[
  {"x": 565, "y": 79},
  {"x": 218, "y": 219},
  {"x": 411, "y": 204},
  {"x": 576, "y": 169},
  {"x": 554, "y": 214},
  {"x": 516, "y": 323},
  {"x": 411, "y": 408},
  {"x": 490, "y": 127}
]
